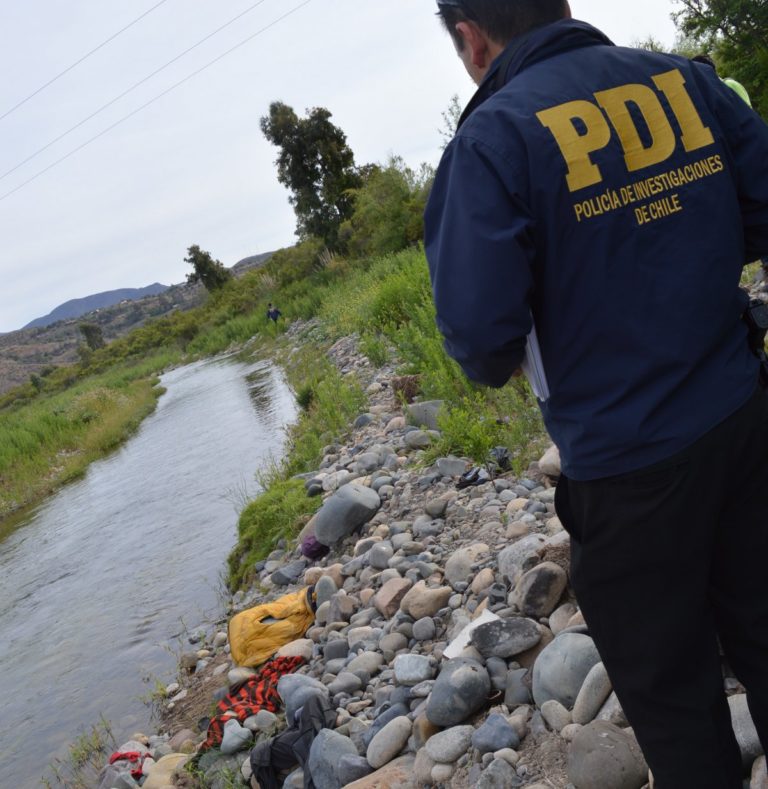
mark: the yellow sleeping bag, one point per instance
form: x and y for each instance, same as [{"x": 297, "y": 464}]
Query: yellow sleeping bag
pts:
[{"x": 257, "y": 633}]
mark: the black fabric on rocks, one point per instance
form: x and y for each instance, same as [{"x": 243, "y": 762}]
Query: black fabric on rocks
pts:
[{"x": 291, "y": 747}]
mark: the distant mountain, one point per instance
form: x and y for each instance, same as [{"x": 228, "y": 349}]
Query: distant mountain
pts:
[
  {"x": 98, "y": 301},
  {"x": 52, "y": 341}
]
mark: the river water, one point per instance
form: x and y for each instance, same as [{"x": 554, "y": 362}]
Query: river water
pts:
[{"x": 99, "y": 585}]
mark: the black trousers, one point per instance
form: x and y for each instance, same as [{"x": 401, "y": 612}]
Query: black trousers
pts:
[{"x": 664, "y": 562}]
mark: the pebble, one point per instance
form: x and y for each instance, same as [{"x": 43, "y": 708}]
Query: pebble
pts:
[{"x": 561, "y": 668}]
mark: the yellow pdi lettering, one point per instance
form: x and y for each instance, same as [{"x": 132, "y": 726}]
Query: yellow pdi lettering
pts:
[
  {"x": 636, "y": 156},
  {"x": 574, "y": 146},
  {"x": 695, "y": 134},
  {"x": 577, "y": 143}
]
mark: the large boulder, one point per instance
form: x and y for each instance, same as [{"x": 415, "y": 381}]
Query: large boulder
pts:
[
  {"x": 505, "y": 638},
  {"x": 602, "y": 756},
  {"x": 562, "y": 667},
  {"x": 344, "y": 512},
  {"x": 324, "y": 758},
  {"x": 461, "y": 689}
]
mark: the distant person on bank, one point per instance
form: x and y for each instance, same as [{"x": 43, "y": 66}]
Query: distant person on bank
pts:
[{"x": 272, "y": 312}]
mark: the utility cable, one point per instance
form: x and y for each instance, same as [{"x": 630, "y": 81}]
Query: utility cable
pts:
[
  {"x": 156, "y": 98},
  {"x": 129, "y": 90},
  {"x": 84, "y": 57}
]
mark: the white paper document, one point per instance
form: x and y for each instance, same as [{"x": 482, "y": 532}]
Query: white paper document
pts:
[{"x": 533, "y": 367}]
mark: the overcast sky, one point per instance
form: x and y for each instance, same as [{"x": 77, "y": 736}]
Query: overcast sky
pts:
[{"x": 193, "y": 168}]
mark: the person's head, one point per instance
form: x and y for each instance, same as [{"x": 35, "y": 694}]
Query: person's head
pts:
[
  {"x": 480, "y": 29},
  {"x": 706, "y": 60}
]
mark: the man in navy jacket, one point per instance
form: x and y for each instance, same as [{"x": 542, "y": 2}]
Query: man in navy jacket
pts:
[{"x": 611, "y": 197}]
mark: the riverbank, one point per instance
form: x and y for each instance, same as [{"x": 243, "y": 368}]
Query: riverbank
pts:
[
  {"x": 525, "y": 703},
  {"x": 53, "y": 439}
]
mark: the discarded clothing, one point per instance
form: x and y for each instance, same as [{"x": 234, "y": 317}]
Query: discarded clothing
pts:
[
  {"x": 291, "y": 747},
  {"x": 257, "y": 633},
  {"x": 256, "y": 693},
  {"x": 134, "y": 757}
]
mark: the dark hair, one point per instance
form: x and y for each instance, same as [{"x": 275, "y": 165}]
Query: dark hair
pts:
[
  {"x": 502, "y": 20},
  {"x": 706, "y": 59}
]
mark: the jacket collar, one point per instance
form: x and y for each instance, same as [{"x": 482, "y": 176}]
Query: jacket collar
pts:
[{"x": 533, "y": 47}]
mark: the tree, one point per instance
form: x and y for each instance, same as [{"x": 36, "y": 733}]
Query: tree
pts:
[
  {"x": 734, "y": 33},
  {"x": 92, "y": 334},
  {"x": 389, "y": 210},
  {"x": 317, "y": 166},
  {"x": 212, "y": 273},
  {"x": 451, "y": 117}
]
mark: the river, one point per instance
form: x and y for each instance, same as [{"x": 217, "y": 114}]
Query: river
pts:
[{"x": 99, "y": 585}]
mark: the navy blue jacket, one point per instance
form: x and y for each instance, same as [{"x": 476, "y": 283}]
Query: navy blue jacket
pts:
[{"x": 615, "y": 195}]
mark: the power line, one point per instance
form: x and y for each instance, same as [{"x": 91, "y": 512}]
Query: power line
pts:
[
  {"x": 84, "y": 57},
  {"x": 129, "y": 90},
  {"x": 156, "y": 98}
]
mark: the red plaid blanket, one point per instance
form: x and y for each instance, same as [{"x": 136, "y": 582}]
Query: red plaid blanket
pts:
[{"x": 256, "y": 693}]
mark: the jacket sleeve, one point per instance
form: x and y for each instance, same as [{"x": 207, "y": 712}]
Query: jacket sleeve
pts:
[
  {"x": 479, "y": 245},
  {"x": 747, "y": 141}
]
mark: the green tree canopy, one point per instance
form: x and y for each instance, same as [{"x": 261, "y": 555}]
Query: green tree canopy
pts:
[
  {"x": 92, "y": 334},
  {"x": 389, "y": 210},
  {"x": 317, "y": 166},
  {"x": 735, "y": 33},
  {"x": 212, "y": 273}
]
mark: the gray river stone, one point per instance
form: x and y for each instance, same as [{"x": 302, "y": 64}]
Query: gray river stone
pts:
[
  {"x": 289, "y": 574},
  {"x": 346, "y": 510},
  {"x": 325, "y": 589},
  {"x": 504, "y": 638},
  {"x": 323, "y": 764},
  {"x": 352, "y": 768},
  {"x": 520, "y": 557},
  {"x": 451, "y": 466},
  {"x": 593, "y": 694},
  {"x": 388, "y": 742},
  {"x": 499, "y": 774},
  {"x": 462, "y": 688},
  {"x": 413, "y": 669},
  {"x": 424, "y": 414},
  {"x": 602, "y": 756},
  {"x": 424, "y": 629},
  {"x": 495, "y": 734},
  {"x": 338, "y": 648},
  {"x": 449, "y": 745},
  {"x": 562, "y": 667},
  {"x": 295, "y": 689},
  {"x": 380, "y": 555},
  {"x": 540, "y": 589}
]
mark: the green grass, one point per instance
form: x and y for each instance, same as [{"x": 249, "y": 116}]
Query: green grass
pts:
[
  {"x": 281, "y": 511},
  {"x": 53, "y": 439}
]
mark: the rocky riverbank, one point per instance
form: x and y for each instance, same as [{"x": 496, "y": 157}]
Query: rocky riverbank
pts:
[{"x": 417, "y": 560}]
